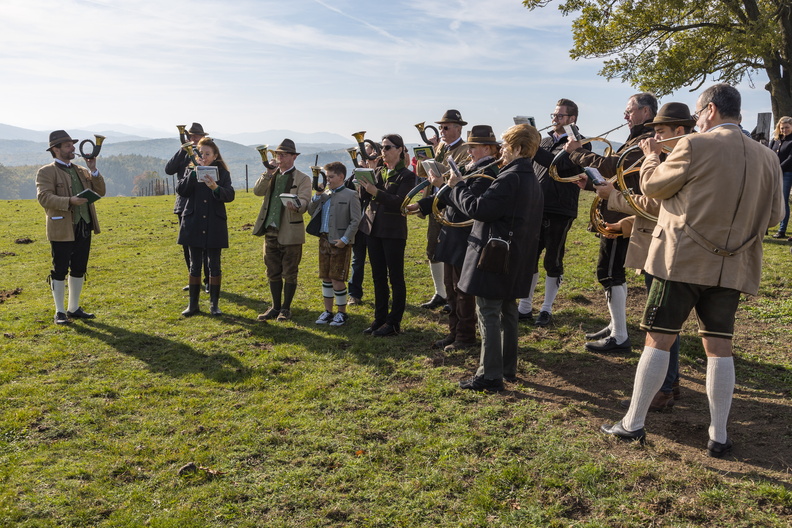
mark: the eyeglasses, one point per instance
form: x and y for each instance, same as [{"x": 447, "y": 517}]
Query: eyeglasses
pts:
[
  {"x": 445, "y": 127},
  {"x": 554, "y": 116},
  {"x": 698, "y": 112},
  {"x": 388, "y": 147}
]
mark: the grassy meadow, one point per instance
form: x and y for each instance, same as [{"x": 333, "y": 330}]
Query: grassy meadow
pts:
[{"x": 141, "y": 417}]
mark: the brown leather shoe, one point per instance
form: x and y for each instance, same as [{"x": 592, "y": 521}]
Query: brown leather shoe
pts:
[{"x": 662, "y": 402}]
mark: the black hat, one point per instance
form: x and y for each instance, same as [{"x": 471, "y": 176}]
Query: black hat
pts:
[
  {"x": 287, "y": 146},
  {"x": 196, "y": 129},
  {"x": 677, "y": 114},
  {"x": 482, "y": 135},
  {"x": 452, "y": 116},
  {"x": 59, "y": 136}
]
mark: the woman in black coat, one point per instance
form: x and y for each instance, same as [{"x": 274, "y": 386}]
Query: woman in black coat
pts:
[
  {"x": 782, "y": 145},
  {"x": 204, "y": 227},
  {"x": 511, "y": 209},
  {"x": 386, "y": 229}
]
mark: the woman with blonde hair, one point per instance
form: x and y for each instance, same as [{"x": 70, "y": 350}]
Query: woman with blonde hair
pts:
[{"x": 782, "y": 145}]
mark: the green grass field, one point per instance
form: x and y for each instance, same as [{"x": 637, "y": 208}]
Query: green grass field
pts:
[{"x": 143, "y": 418}]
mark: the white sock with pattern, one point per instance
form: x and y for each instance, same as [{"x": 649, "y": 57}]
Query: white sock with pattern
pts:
[{"x": 720, "y": 389}]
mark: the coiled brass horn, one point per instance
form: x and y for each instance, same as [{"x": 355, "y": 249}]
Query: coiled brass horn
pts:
[
  {"x": 415, "y": 191},
  {"x": 263, "y": 150},
  {"x": 553, "y": 171},
  {"x": 317, "y": 171},
  {"x": 353, "y": 153},
  {"x": 95, "y": 147},
  {"x": 183, "y": 134},
  {"x": 362, "y": 142},
  {"x": 438, "y": 214},
  {"x": 422, "y": 128},
  {"x": 188, "y": 146}
]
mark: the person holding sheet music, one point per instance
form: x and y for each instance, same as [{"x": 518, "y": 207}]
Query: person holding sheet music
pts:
[
  {"x": 70, "y": 221},
  {"x": 204, "y": 226}
]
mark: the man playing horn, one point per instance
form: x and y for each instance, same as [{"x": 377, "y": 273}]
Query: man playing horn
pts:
[
  {"x": 451, "y": 145},
  {"x": 560, "y": 210},
  {"x": 282, "y": 227},
  {"x": 70, "y": 221},
  {"x": 704, "y": 252},
  {"x": 672, "y": 121},
  {"x": 641, "y": 109}
]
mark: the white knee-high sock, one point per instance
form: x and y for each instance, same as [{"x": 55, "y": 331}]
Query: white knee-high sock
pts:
[
  {"x": 720, "y": 389},
  {"x": 526, "y": 305},
  {"x": 59, "y": 294},
  {"x": 649, "y": 376},
  {"x": 552, "y": 284},
  {"x": 437, "y": 277},
  {"x": 75, "y": 289},
  {"x": 617, "y": 306}
]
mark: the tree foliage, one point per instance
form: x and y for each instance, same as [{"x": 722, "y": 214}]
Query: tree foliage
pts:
[{"x": 665, "y": 45}]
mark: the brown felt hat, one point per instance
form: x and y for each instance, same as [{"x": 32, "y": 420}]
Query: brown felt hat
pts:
[
  {"x": 482, "y": 135},
  {"x": 452, "y": 116},
  {"x": 287, "y": 146},
  {"x": 59, "y": 136},
  {"x": 196, "y": 129},
  {"x": 677, "y": 114}
]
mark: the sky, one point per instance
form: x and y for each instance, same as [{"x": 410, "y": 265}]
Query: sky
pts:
[{"x": 305, "y": 65}]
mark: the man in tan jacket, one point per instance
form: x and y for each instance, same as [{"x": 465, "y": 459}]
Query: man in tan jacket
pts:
[
  {"x": 706, "y": 249},
  {"x": 70, "y": 221},
  {"x": 282, "y": 227}
]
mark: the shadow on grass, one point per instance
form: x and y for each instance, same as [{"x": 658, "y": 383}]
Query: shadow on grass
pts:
[
  {"x": 598, "y": 383},
  {"x": 164, "y": 355}
]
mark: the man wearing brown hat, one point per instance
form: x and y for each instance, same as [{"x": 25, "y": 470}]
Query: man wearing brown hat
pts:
[
  {"x": 451, "y": 145},
  {"x": 671, "y": 122},
  {"x": 177, "y": 166},
  {"x": 483, "y": 147},
  {"x": 70, "y": 221},
  {"x": 282, "y": 227}
]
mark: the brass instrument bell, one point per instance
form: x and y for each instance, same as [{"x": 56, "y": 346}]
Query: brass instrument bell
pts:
[{"x": 95, "y": 146}]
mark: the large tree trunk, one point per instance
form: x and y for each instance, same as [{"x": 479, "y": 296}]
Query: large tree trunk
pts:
[{"x": 780, "y": 88}]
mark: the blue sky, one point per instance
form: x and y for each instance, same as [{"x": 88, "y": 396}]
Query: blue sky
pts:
[{"x": 306, "y": 65}]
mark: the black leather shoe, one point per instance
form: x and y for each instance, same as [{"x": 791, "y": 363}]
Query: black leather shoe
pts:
[
  {"x": 61, "y": 319},
  {"x": 524, "y": 316},
  {"x": 460, "y": 345},
  {"x": 442, "y": 343},
  {"x": 510, "y": 379},
  {"x": 779, "y": 234},
  {"x": 373, "y": 327},
  {"x": 544, "y": 319},
  {"x": 594, "y": 336},
  {"x": 435, "y": 302},
  {"x": 608, "y": 345},
  {"x": 619, "y": 431},
  {"x": 718, "y": 450},
  {"x": 186, "y": 288},
  {"x": 79, "y": 313},
  {"x": 385, "y": 330},
  {"x": 446, "y": 309},
  {"x": 480, "y": 383}
]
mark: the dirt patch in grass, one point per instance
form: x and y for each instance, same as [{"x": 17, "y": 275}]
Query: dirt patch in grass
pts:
[
  {"x": 760, "y": 423},
  {"x": 8, "y": 294}
]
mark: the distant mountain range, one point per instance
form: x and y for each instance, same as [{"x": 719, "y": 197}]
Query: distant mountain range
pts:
[{"x": 118, "y": 133}]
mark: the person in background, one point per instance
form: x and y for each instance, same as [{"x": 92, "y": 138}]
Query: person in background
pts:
[
  {"x": 204, "y": 225},
  {"x": 359, "y": 247},
  {"x": 177, "y": 166},
  {"x": 70, "y": 221},
  {"x": 338, "y": 209},
  {"x": 782, "y": 145}
]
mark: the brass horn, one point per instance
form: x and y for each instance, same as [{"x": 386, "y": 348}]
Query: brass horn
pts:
[
  {"x": 183, "y": 134},
  {"x": 553, "y": 172},
  {"x": 362, "y": 142},
  {"x": 263, "y": 150},
  {"x": 412, "y": 194},
  {"x": 95, "y": 147},
  {"x": 188, "y": 146},
  {"x": 353, "y": 153},
  {"x": 445, "y": 188},
  {"x": 422, "y": 128},
  {"x": 317, "y": 171},
  {"x": 621, "y": 172}
]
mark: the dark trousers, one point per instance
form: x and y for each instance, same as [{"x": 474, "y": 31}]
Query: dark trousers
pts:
[
  {"x": 462, "y": 319},
  {"x": 358, "y": 265},
  {"x": 200, "y": 255},
  {"x": 552, "y": 240},
  {"x": 386, "y": 256},
  {"x": 72, "y": 257},
  {"x": 610, "y": 264},
  {"x": 187, "y": 260},
  {"x": 672, "y": 375}
]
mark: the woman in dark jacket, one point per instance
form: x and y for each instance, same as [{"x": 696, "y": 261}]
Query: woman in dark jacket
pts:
[
  {"x": 782, "y": 145},
  {"x": 511, "y": 209},
  {"x": 386, "y": 229},
  {"x": 204, "y": 227}
]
